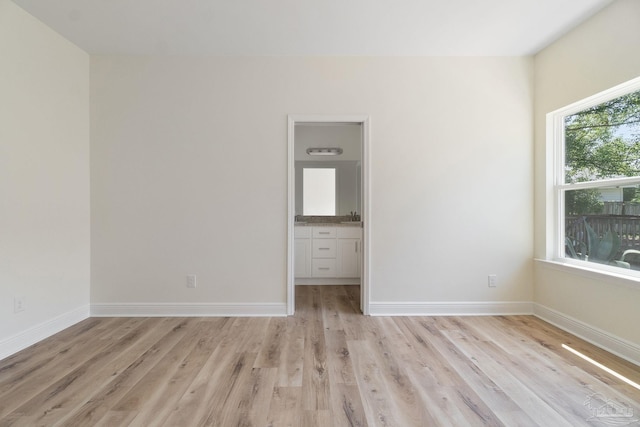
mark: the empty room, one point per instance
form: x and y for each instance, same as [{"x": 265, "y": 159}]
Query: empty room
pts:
[{"x": 335, "y": 213}]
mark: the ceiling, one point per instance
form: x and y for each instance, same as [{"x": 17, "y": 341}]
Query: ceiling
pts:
[{"x": 313, "y": 27}]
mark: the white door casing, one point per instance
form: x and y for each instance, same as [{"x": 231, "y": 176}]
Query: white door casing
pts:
[{"x": 365, "y": 243}]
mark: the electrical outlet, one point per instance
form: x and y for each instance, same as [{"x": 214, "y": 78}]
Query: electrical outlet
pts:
[
  {"x": 19, "y": 304},
  {"x": 492, "y": 280},
  {"x": 191, "y": 281}
]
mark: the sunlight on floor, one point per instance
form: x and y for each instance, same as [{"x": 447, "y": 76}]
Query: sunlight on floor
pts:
[{"x": 601, "y": 366}]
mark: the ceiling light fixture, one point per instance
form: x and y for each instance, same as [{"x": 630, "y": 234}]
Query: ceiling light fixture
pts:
[{"x": 325, "y": 151}]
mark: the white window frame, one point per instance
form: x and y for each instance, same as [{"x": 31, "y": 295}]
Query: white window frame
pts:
[{"x": 557, "y": 185}]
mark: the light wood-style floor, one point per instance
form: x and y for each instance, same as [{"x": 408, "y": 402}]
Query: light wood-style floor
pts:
[{"x": 325, "y": 366}]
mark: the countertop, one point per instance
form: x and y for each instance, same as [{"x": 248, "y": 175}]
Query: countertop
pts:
[{"x": 329, "y": 224}]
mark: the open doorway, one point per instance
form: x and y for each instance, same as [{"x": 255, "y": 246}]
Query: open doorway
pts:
[{"x": 329, "y": 229}]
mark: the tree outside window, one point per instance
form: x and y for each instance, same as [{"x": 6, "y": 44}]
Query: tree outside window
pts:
[{"x": 601, "y": 179}]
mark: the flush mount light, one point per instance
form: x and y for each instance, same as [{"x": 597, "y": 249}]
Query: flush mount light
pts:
[{"x": 324, "y": 151}]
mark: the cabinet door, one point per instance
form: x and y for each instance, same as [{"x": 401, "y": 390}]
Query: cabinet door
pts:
[
  {"x": 302, "y": 257},
  {"x": 348, "y": 258}
]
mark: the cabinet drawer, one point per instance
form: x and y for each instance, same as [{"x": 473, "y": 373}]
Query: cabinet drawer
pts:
[
  {"x": 323, "y": 248},
  {"x": 323, "y": 268},
  {"x": 324, "y": 232},
  {"x": 349, "y": 232}
]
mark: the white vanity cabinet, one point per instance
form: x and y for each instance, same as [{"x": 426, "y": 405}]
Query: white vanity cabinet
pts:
[
  {"x": 326, "y": 252},
  {"x": 302, "y": 251},
  {"x": 323, "y": 252},
  {"x": 348, "y": 254}
]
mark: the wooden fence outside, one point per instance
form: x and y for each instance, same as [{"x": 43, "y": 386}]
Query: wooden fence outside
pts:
[
  {"x": 621, "y": 208},
  {"x": 625, "y": 226}
]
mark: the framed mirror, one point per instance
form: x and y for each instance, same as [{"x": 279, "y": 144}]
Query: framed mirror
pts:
[{"x": 319, "y": 191}]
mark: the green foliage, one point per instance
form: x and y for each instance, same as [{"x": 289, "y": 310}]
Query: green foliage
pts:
[
  {"x": 596, "y": 249},
  {"x": 604, "y": 141},
  {"x": 583, "y": 202},
  {"x": 603, "y": 249},
  {"x": 576, "y": 249},
  {"x": 630, "y": 194}
]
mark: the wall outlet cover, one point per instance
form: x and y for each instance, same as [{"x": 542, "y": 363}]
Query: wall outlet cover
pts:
[
  {"x": 191, "y": 281},
  {"x": 492, "y": 280},
  {"x": 19, "y": 304}
]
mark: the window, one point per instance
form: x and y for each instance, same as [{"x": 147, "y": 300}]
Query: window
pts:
[
  {"x": 596, "y": 181},
  {"x": 319, "y": 191}
]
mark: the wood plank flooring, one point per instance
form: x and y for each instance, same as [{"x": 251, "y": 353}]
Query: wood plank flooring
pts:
[{"x": 326, "y": 366}]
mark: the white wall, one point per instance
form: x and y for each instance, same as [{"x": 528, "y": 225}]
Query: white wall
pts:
[
  {"x": 44, "y": 179},
  {"x": 599, "y": 54},
  {"x": 173, "y": 138}
]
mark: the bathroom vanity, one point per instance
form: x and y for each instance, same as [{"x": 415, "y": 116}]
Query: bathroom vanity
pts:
[{"x": 328, "y": 253}]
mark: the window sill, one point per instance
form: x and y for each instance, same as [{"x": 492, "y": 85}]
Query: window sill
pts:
[{"x": 576, "y": 269}]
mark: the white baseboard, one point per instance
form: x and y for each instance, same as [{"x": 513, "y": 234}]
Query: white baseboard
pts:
[
  {"x": 188, "y": 310},
  {"x": 41, "y": 331},
  {"x": 611, "y": 343},
  {"x": 490, "y": 308},
  {"x": 618, "y": 346}
]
